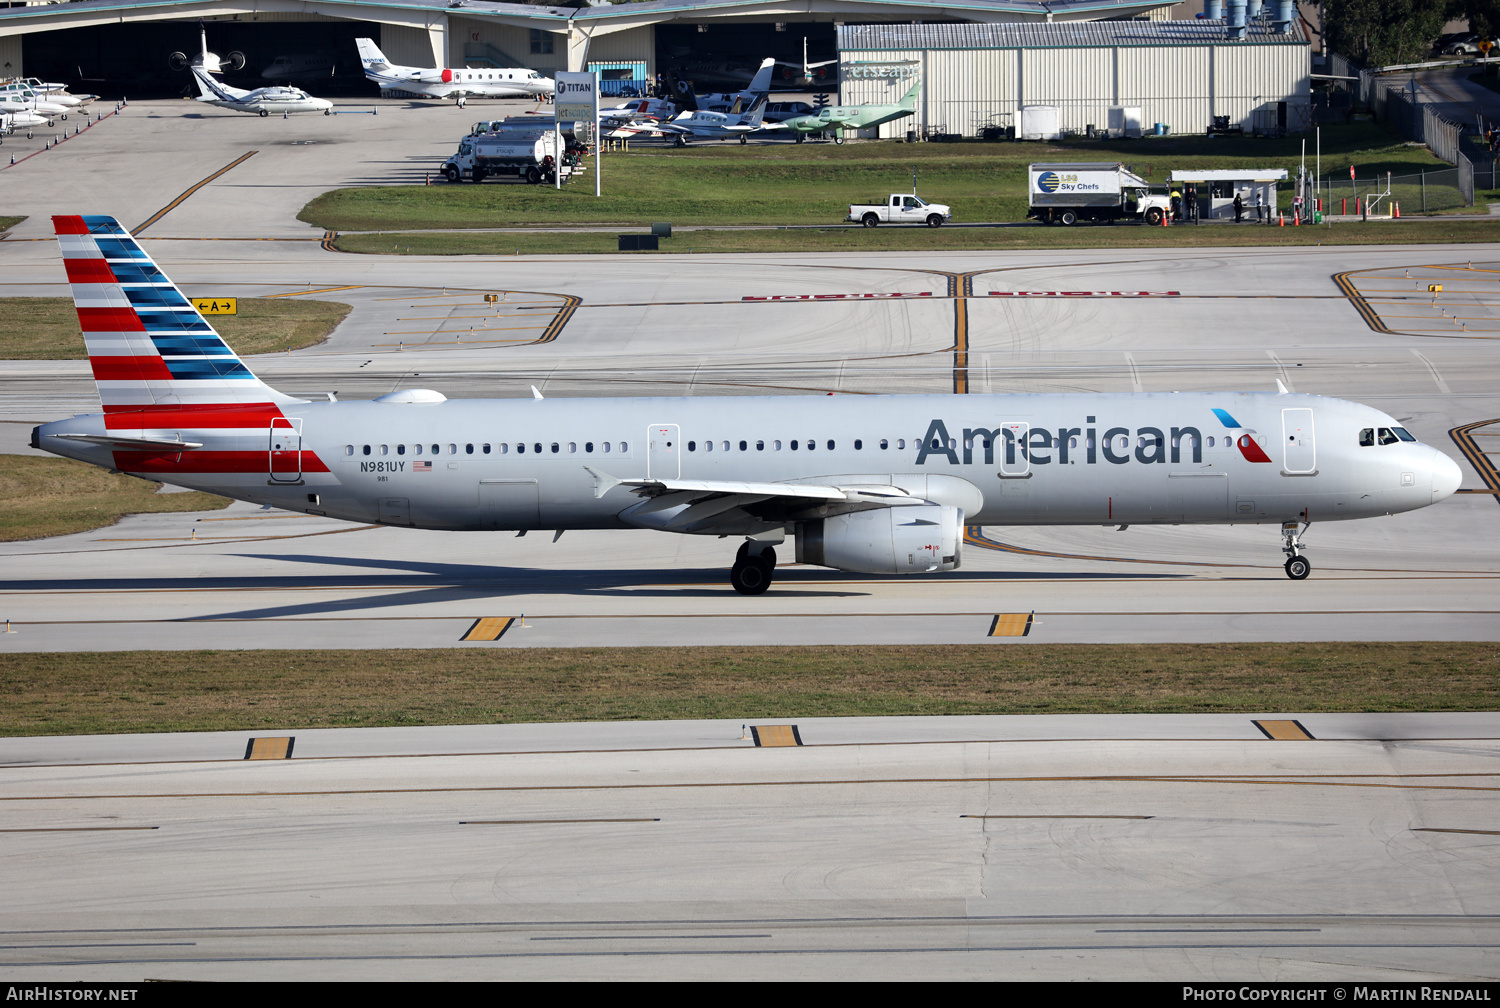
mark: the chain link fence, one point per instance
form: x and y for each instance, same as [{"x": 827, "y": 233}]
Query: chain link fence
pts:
[
  {"x": 1439, "y": 190},
  {"x": 1423, "y": 192}
]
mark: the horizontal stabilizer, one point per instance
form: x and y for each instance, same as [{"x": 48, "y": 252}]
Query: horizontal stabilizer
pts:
[{"x": 139, "y": 444}]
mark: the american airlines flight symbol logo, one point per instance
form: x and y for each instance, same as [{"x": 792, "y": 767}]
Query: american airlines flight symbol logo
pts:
[{"x": 1245, "y": 442}]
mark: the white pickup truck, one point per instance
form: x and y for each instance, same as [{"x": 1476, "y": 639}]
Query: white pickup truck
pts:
[{"x": 900, "y": 208}]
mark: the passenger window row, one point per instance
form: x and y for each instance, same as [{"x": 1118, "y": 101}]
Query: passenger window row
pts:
[
  {"x": 811, "y": 444},
  {"x": 521, "y": 448}
]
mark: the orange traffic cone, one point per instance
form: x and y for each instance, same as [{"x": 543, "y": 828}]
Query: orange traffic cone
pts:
[
  {"x": 1397, "y": 213},
  {"x": 1296, "y": 220},
  {"x": 1280, "y": 220}
]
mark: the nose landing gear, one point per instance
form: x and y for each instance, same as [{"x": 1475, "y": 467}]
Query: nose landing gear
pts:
[{"x": 1297, "y": 565}]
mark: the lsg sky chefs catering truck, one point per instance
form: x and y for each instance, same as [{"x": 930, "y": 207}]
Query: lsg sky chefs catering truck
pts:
[{"x": 1091, "y": 190}]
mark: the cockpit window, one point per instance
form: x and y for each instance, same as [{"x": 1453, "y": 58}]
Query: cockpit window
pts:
[
  {"x": 1403, "y": 434},
  {"x": 1367, "y": 437},
  {"x": 1386, "y": 436}
]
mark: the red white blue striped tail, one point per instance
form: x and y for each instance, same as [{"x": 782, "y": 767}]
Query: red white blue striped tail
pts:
[{"x": 149, "y": 347}]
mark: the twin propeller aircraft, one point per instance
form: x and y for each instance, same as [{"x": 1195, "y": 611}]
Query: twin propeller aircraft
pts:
[{"x": 876, "y": 484}]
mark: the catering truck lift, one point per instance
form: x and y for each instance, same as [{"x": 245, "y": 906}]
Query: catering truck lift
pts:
[{"x": 1066, "y": 193}]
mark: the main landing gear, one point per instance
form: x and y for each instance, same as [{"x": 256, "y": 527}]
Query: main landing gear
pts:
[
  {"x": 753, "y": 568},
  {"x": 1297, "y": 566}
]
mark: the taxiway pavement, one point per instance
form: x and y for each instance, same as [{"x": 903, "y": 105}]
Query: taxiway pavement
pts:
[
  {"x": 1299, "y": 848},
  {"x": 893, "y": 848}
]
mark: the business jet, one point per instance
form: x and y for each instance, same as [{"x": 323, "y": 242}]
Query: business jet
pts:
[
  {"x": 443, "y": 82},
  {"x": 299, "y": 66},
  {"x": 261, "y": 101},
  {"x": 875, "y": 484}
]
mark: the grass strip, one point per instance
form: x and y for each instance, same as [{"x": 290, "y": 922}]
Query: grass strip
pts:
[
  {"x": 42, "y": 497},
  {"x": 6, "y": 223},
  {"x": 906, "y": 239},
  {"x": 171, "y": 691},
  {"x": 47, "y": 328},
  {"x": 814, "y": 183}
]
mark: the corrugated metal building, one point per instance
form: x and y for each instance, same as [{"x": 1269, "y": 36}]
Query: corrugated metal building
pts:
[{"x": 1181, "y": 73}]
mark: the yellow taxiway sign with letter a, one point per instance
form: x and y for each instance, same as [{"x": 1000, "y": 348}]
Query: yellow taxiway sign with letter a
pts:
[{"x": 217, "y": 306}]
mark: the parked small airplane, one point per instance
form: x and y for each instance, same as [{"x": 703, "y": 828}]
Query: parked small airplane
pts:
[
  {"x": 838, "y": 118},
  {"x": 736, "y": 101},
  {"x": 57, "y": 94},
  {"x": 715, "y": 125},
  {"x": 876, "y": 484},
  {"x": 682, "y": 99},
  {"x": 642, "y": 108},
  {"x": 624, "y": 128},
  {"x": 21, "y": 116},
  {"x": 21, "y": 96},
  {"x": 262, "y": 101},
  {"x": 444, "y": 82}
]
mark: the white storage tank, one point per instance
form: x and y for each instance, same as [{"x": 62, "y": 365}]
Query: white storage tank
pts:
[
  {"x": 1124, "y": 121},
  {"x": 1040, "y": 122}
]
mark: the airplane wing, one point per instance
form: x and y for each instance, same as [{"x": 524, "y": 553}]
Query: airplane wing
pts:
[{"x": 731, "y": 506}]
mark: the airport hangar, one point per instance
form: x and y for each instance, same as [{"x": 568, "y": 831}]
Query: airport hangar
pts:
[{"x": 974, "y": 80}]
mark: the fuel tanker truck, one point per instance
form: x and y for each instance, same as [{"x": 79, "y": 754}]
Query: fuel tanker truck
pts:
[{"x": 535, "y": 159}]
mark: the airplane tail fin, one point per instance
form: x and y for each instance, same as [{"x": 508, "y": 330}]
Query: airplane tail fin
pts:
[
  {"x": 761, "y": 83},
  {"x": 909, "y": 100},
  {"x": 148, "y": 346},
  {"x": 370, "y": 54},
  {"x": 757, "y": 113},
  {"x": 210, "y": 89}
]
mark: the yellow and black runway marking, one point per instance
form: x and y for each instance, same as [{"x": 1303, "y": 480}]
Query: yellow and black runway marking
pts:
[
  {"x": 1011, "y": 624},
  {"x": 1445, "y": 300},
  {"x": 773, "y": 735},
  {"x": 488, "y": 628},
  {"x": 1479, "y": 457},
  {"x": 1284, "y": 731},
  {"x": 462, "y": 327},
  {"x": 269, "y": 748}
]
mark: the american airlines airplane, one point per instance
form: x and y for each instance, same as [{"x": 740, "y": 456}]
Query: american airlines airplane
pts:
[
  {"x": 445, "y": 82},
  {"x": 881, "y": 485}
]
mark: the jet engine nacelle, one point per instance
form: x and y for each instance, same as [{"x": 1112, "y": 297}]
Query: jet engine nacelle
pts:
[{"x": 896, "y": 540}]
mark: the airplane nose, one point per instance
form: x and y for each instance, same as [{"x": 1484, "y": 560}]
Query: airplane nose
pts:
[{"x": 1446, "y": 476}]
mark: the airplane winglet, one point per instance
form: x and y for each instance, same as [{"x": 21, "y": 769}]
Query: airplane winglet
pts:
[
  {"x": 603, "y": 482},
  {"x": 536, "y": 394},
  {"x": 1281, "y": 389}
]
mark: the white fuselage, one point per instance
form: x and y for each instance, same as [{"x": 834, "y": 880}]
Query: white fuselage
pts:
[
  {"x": 446, "y": 82},
  {"x": 1003, "y": 459}
]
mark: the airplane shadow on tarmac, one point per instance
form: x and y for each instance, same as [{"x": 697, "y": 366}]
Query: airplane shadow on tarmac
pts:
[
  {"x": 418, "y": 582},
  {"x": 468, "y": 582}
]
